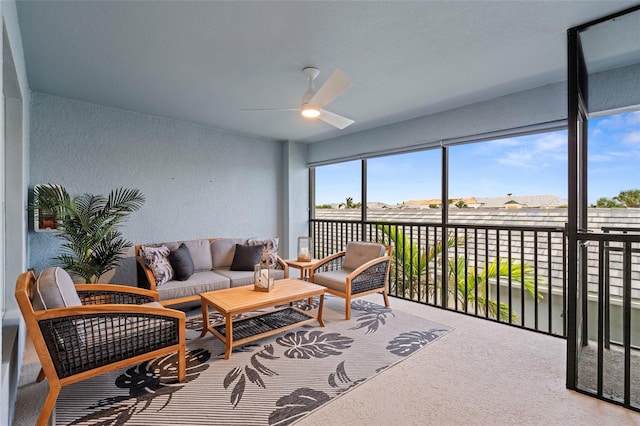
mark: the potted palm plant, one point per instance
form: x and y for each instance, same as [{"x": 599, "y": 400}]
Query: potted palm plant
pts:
[{"x": 88, "y": 224}]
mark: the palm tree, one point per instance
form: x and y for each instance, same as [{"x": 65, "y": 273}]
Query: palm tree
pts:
[
  {"x": 463, "y": 284},
  {"x": 629, "y": 198},
  {"x": 349, "y": 204},
  {"x": 411, "y": 264},
  {"x": 88, "y": 225},
  {"x": 410, "y": 277}
]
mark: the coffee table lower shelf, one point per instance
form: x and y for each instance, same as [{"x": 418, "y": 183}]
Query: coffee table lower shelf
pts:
[{"x": 256, "y": 327}]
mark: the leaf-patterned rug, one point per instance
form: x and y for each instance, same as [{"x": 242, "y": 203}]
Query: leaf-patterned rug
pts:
[{"x": 274, "y": 381}]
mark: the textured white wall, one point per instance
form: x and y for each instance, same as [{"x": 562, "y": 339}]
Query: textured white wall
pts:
[{"x": 198, "y": 182}]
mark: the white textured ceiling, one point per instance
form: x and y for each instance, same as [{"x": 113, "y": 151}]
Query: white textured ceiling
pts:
[{"x": 202, "y": 62}]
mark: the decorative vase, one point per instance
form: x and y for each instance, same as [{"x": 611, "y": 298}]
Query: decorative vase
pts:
[
  {"x": 263, "y": 277},
  {"x": 305, "y": 249}
]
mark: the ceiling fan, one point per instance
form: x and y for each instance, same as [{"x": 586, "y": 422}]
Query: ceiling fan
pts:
[{"x": 314, "y": 101}]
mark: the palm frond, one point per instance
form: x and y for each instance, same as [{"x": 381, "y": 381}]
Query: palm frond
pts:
[{"x": 88, "y": 225}]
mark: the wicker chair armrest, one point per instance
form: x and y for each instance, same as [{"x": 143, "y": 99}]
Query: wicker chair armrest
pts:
[
  {"x": 329, "y": 263},
  {"x": 93, "y": 294},
  {"x": 372, "y": 275},
  {"x": 283, "y": 265}
]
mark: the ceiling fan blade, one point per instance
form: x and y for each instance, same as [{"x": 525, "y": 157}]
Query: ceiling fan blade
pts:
[
  {"x": 334, "y": 119},
  {"x": 335, "y": 85},
  {"x": 270, "y": 109}
]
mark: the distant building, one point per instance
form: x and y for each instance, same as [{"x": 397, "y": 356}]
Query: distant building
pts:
[
  {"x": 508, "y": 202},
  {"x": 437, "y": 203},
  {"x": 528, "y": 201}
]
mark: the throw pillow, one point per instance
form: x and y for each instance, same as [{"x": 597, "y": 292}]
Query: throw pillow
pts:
[
  {"x": 246, "y": 257},
  {"x": 181, "y": 262},
  {"x": 156, "y": 258},
  {"x": 270, "y": 252}
]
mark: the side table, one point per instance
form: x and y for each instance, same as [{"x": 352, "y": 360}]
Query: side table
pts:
[{"x": 304, "y": 267}]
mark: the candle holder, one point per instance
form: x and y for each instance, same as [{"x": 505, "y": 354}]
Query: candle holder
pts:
[
  {"x": 263, "y": 277},
  {"x": 305, "y": 249}
]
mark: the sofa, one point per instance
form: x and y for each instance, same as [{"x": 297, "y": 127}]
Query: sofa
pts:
[{"x": 180, "y": 270}]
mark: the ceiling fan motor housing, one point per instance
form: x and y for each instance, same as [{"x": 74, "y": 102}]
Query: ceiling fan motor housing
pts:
[{"x": 311, "y": 74}]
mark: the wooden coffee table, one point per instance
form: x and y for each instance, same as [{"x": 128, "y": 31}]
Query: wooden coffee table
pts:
[{"x": 238, "y": 300}]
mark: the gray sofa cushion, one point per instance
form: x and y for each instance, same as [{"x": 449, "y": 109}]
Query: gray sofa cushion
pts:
[
  {"x": 55, "y": 289},
  {"x": 358, "y": 253},
  {"x": 240, "y": 278},
  {"x": 200, "y": 253},
  {"x": 236, "y": 278},
  {"x": 223, "y": 250},
  {"x": 199, "y": 282}
]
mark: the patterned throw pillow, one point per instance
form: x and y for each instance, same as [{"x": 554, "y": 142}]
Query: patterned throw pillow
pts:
[
  {"x": 157, "y": 259},
  {"x": 270, "y": 251}
]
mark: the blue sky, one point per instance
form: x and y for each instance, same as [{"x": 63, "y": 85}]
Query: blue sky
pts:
[{"x": 526, "y": 165}]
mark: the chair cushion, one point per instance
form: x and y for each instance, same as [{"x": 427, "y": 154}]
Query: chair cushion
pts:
[
  {"x": 335, "y": 280},
  {"x": 181, "y": 262},
  {"x": 222, "y": 251},
  {"x": 270, "y": 251},
  {"x": 200, "y": 253},
  {"x": 246, "y": 257},
  {"x": 157, "y": 259},
  {"x": 358, "y": 253},
  {"x": 55, "y": 289}
]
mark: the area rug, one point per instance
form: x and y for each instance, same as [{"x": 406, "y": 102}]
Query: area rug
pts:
[{"x": 274, "y": 381}]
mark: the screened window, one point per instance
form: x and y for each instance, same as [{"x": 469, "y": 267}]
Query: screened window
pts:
[
  {"x": 338, "y": 186},
  {"x": 515, "y": 172}
]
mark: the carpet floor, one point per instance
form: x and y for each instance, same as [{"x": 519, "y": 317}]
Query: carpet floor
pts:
[{"x": 274, "y": 381}]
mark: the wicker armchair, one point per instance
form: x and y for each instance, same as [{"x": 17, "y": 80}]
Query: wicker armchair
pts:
[
  {"x": 98, "y": 328},
  {"x": 361, "y": 269}
]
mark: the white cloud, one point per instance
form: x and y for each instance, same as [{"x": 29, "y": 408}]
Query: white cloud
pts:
[
  {"x": 634, "y": 117},
  {"x": 632, "y": 137},
  {"x": 536, "y": 151},
  {"x": 616, "y": 122}
]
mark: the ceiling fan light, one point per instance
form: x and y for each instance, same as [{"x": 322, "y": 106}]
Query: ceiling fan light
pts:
[{"x": 310, "y": 112}]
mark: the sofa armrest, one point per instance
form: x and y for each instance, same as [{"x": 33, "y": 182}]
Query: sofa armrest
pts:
[
  {"x": 283, "y": 265},
  {"x": 144, "y": 274},
  {"x": 93, "y": 294}
]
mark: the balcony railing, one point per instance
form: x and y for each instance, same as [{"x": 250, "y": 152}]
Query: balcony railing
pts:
[
  {"x": 608, "y": 332},
  {"x": 510, "y": 274},
  {"x": 517, "y": 275}
]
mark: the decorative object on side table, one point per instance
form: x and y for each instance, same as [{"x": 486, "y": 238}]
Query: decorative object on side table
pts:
[
  {"x": 305, "y": 249},
  {"x": 263, "y": 277}
]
